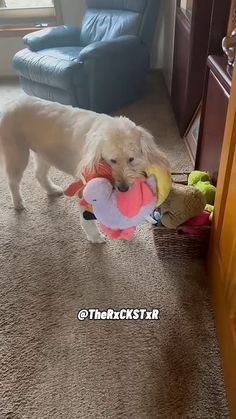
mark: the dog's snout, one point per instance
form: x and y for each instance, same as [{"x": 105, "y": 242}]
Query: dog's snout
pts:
[{"x": 123, "y": 187}]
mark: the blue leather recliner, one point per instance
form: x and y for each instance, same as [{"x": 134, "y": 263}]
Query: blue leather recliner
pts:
[{"x": 101, "y": 65}]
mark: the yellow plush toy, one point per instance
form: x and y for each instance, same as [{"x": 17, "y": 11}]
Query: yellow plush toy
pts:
[{"x": 163, "y": 181}]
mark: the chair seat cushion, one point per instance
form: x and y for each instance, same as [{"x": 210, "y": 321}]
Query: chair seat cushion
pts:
[
  {"x": 62, "y": 53},
  {"x": 58, "y": 67}
]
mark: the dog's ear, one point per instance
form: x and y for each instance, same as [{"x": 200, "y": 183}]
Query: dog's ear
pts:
[
  {"x": 151, "y": 151},
  {"x": 91, "y": 153}
]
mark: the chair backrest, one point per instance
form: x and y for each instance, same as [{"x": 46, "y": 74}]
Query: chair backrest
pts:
[{"x": 108, "y": 19}]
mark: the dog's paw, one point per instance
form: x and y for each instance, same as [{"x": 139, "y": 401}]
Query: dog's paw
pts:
[
  {"x": 55, "y": 190},
  {"x": 96, "y": 238},
  {"x": 19, "y": 206}
]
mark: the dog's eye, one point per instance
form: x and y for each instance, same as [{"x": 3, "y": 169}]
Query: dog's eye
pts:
[
  {"x": 113, "y": 161},
  {"x": 131, "y": 159}
]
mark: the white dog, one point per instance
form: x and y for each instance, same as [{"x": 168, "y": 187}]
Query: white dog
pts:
[{"x": 71, "y": 139}]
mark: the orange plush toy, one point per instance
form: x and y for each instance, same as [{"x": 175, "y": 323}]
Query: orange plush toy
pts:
[{"x": 102, "y": 169}]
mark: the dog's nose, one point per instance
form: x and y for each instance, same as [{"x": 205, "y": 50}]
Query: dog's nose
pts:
[{"x": 123, "y": 187}]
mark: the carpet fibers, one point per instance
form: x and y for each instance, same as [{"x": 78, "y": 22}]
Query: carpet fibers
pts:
[{"x": 54, "y": 366}]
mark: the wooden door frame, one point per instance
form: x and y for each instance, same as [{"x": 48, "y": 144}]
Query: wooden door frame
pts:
[{"x": 223, "y": 325}]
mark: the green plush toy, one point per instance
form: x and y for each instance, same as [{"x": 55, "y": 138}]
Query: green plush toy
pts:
[
  {"x": 209, "y": 208},
  {"x": 201, "y": 181},
  {"x": 197, "y": 176},
  {"x": 208, "y": 190}
]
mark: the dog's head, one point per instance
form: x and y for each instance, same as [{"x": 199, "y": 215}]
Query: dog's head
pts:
[{"x": 129, "y": 149}]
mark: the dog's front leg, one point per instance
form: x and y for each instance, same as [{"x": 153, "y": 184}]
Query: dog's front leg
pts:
[{"x": 91, "y": 229}]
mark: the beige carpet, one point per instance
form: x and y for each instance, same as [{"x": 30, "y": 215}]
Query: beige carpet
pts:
[{"x": 52, "y": 365}]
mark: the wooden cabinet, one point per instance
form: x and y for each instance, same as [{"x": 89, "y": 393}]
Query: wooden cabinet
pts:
[
  {"x": 213, "y": 116},
  {"x": 199, "y": 30}
]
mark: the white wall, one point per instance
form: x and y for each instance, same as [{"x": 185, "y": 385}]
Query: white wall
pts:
[
  {"x": 163, "y": 45},
  {"x": 157, "y": 48},
  {"x": 8, "y": 47},
  {"x": 73, "y": 10},
  {"x": 168, "y": 39}
]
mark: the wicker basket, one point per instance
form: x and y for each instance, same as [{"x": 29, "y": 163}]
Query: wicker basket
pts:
[{"x": 173, "y": 243}]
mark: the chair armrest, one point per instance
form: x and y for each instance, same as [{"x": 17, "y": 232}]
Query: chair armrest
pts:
[
  {"x": 121, "y": 45},
  {"x": 60, "y": 36}
]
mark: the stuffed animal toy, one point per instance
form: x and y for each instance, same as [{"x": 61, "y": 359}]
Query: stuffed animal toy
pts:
[
  {"x": 196, "y": 176},
  {"x": 182, "y": 203},
  {"x": 102, "y": 169},
  {"x": 208, "y": 190},
  {"x": 163, "y": 182},
  {"x": 210, "y": 208},
  {"x": 119, "y": 213},
  {"x": 197, "y": 224},
  {"x": 201, "y": 180}
]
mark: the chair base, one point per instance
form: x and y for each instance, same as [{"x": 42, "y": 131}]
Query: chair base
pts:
[
  {"x": 76, "y": 97},
  {"x": 47, "y": 92}
]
